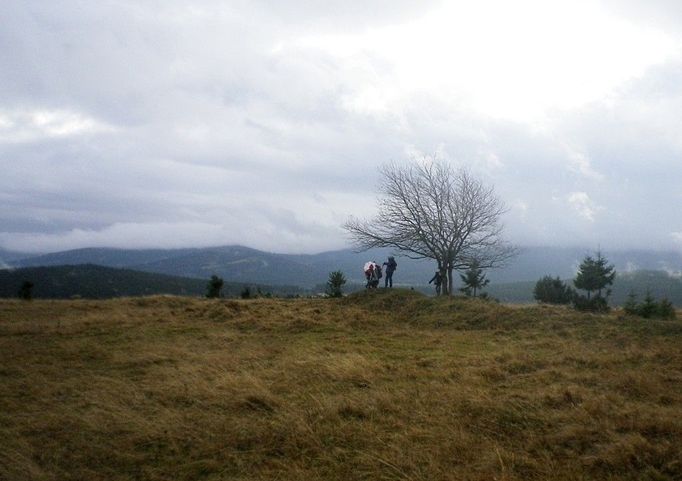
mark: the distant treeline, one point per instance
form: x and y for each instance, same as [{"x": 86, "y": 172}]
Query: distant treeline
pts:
[
  {"x": 91, "y": 281},
  {"x": 97, "y": 282},
  {"x": 659, "y": 283}
]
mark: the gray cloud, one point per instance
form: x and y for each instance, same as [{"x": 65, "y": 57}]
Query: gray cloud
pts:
[
  {"x": 200, "y": 123},
  {"x": 665, "y": 13}
]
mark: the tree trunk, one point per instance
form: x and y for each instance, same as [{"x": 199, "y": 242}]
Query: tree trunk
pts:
[
  {"x": 443, "y": 279},
  {"x": 450, "y": 280}
]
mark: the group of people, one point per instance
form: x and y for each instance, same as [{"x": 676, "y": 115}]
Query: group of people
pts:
[{"x": 374, "y": 272}]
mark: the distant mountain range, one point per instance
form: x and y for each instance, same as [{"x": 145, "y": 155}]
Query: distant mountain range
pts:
[
  {"x": 243, "y": 264},
  {"x": 8, "y": 257}
]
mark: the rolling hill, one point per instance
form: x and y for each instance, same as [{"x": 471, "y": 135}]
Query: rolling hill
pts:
[
  {"x": 8, "y": 258},
  {"x": 233, "y": 263},
  {"x": 243, "y": 264}
]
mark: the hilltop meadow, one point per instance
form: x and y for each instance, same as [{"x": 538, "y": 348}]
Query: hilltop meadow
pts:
[{"x": 381, "y": 385}]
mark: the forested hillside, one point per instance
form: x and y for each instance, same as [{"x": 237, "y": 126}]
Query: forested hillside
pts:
[{"x": 98, "y": 282}]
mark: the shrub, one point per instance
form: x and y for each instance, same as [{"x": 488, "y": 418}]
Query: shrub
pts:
[
  {"x": 649, "y": 308},
  {"x": 487, "y": 297},
  {"x": 666, "y": 309},
  {"x": 246, "y": 293},
  {"x": 26, "y": 291},
  {"x": 552, "y": 291},
  {"x": 594, "y": 304}
]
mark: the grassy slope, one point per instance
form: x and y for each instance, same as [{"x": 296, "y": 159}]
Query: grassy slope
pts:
[{"x": 379, "y": 385}]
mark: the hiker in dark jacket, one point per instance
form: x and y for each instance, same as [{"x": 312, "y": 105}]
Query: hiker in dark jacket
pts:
[
  {"x": 391, "y": 266},
  {"x": 437, "y": 280}
]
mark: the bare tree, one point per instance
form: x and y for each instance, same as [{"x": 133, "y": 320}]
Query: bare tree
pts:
[{"x": 430, "y": 210}]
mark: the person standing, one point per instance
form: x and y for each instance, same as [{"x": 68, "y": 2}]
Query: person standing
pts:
[
  {"x": 391, "y": 266},
  {"x": 437, "y": 280},
  {"x": 369, "y": 273},
  {"x": 372, "y": 274}
]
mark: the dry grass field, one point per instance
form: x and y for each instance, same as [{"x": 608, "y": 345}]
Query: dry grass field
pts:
[{"x": 375, "y": 386}]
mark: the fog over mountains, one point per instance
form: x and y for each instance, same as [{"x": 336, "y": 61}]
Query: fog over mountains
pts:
[{"x": 243, "y": 264}]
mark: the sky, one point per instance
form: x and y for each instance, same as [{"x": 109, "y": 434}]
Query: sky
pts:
[{"x": 168, "y": 123}]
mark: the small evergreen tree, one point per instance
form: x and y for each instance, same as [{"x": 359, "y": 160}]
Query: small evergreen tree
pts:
[
  {"x": 594, "y": 275},
  {"x": 246, "y": 293},
  {"x": 648, "y": 307},
  {"x": 215, "y": 284},
  {"x": 552, "y": 291},
  {"x": 630, "y": 306},
  {"x": 26, "y": 291},
  {"x": 473, "y": 279},
  {"x": 665, "y": 310},
  {"x": 335, "y": 284}
]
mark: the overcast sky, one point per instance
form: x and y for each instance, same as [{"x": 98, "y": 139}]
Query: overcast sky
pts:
[{"x": 168, "y": 123}]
